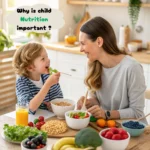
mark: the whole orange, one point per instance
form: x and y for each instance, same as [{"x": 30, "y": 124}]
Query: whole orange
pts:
[
  {"x": 111, "y": 123},
  {"x": 101, "y": 123}
]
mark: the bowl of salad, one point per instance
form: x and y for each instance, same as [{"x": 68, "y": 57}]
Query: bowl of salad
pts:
[{"x": 77, "y": 119}]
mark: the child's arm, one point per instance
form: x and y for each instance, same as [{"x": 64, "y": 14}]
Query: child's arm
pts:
[{"x": 38, "y": 98}]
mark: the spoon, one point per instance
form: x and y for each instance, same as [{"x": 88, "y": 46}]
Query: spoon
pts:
[
  {"x": 143, "y": 117},
  {"x": 83, "y": 106}
]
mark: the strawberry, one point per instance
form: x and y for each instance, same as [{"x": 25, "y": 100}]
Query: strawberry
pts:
[
  {"x": 116, "y": 137},
  {"x": 122, "y": 132},
  {"x": 114, "y": 130},
  {"x": 104, "y": 132},
  {"x": 109, "y": 135},
  {"x": 125, "y": 136},
  {"x": 38, "y": 126},
  {"x": 30, "y": 124},
  {"x": 41, "y": 118},
  {"x": 42, "y": 123}
]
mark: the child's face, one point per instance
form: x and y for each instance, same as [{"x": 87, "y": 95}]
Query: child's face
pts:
[{"x": 42, "y": 63}]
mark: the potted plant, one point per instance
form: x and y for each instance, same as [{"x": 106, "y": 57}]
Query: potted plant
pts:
[
  {"x": 38, "y": 36},
  {"x": 5, "y": 40},
  {"x": 134, "y": 10}
]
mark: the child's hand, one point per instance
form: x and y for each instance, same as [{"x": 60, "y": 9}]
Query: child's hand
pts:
[
  {"x": 48, "y": 104},
  {"x": 54, "y": 78}
]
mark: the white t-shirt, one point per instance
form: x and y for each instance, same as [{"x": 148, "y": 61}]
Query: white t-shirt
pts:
[{"x": 39, "y": 83}]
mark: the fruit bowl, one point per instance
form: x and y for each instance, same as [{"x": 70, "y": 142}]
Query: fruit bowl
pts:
[
  {"x": 60, "y": 106},
  {"x": 34, "y": 143},
  {"x": 76, "y": 122},
  {"x": 114, "y": 139},
  {"x": 133, "y": 127}
]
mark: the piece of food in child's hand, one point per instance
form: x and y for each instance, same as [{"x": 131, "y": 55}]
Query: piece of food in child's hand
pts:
[{"x": 51, "y": 70}]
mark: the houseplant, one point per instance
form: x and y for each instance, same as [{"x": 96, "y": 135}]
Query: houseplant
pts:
[
  {"x": 38, "y": 36},
  {"x": 134, "y": 10},
  {"x": 5, "y": 40}
]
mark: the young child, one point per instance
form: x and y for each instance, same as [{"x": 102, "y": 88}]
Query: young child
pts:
[{"x": 35, "y": 86}]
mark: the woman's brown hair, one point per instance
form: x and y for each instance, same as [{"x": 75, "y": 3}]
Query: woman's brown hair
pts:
[
  {"x": 25, "y": 56},
  {"x": 94, "y": 28}
]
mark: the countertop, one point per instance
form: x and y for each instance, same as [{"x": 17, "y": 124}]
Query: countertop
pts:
[
  {"x": 141, "y": 56},
  {"x": 136, "y": 143}
]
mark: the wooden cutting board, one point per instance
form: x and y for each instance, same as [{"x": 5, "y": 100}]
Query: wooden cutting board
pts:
[
  {"x": 71, "y": 133},
  {"x": 94, "y": 125}
]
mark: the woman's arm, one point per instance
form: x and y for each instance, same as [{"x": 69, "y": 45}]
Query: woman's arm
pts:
[{"x": 136, "y": 88}]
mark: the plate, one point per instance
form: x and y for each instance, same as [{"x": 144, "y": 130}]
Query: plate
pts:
[{"x": 8, "y": 140}]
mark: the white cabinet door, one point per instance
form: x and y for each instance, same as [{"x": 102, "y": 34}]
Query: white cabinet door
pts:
[
  {"x": 77, "y": 88},
  {"x": 72, "y": 86},
  {"x": 52, "y": 55}
]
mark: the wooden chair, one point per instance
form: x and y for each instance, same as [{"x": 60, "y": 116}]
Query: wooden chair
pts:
[{"x": 7, "y": 80}]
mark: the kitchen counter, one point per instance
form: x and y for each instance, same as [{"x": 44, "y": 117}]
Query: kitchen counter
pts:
[
  {"x": 136, "y": 143},
  {"x": 142, "y": 56}
]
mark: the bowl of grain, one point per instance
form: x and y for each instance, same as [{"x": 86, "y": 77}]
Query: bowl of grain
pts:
[{"x": 60, "y": 106}]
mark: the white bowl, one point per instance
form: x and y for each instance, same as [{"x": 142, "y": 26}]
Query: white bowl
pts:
[
  {"x": 133, "y": 46},
  {"x": 23, "y": 148},
  {"x": 109, "y": 144},
  {"x": 59, "y": 111},
  {"x": 77, "y": 124}
]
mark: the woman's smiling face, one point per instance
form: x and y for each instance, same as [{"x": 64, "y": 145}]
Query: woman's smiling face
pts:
[{"x": 90, "y": 48}]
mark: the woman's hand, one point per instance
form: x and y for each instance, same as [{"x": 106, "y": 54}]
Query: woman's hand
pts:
[
  {"x": 53, "y": 79},
  {"x": 89, "y": 102},
  {"x": 48, "y": 104},
  {"x": 97, "y": 112}
]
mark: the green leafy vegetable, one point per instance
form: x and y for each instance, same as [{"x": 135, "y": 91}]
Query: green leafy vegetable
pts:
[
  {"x": 93, "y": 119},
  {"x": 19, "y": 133},
  {"x": 51, "y": 70}
]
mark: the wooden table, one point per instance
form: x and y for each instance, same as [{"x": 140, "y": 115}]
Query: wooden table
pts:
[{"x": 139, "y": 143}]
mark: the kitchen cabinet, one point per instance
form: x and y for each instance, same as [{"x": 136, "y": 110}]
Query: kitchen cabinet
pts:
[
  {"x": 100, "y": 3},
  {"x": 73, "y": 86}
]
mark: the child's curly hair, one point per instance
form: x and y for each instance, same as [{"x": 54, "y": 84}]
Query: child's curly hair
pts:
[{"x": 25, "y": 56}]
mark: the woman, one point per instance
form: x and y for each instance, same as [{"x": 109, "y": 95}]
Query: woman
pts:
[{"x": 115, "y": 80}]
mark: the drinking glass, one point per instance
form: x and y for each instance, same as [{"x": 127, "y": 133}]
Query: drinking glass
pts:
[{"x": 22, "y": 114}]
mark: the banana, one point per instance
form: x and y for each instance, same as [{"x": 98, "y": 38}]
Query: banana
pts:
[
  {"x": 66, "y": 146},
  {"x": 74, "y": 148},
  {"x": 64, "y": 141}
]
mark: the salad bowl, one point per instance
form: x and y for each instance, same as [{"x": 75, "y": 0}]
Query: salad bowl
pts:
[{"x": 77, "y": 119}]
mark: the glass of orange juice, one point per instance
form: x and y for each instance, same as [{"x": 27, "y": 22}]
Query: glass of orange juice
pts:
[{"x": 22, "y": 114}]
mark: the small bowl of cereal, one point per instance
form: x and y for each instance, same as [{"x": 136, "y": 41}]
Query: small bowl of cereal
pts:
[{"x": 60, "y": 106}]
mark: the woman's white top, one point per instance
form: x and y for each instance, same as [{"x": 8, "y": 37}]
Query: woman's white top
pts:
[{"x": 123, "y": 88}]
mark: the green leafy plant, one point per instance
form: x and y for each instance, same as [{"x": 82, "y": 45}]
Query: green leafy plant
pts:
[
  {"x": 134, "y": 10},
  {"x": 5, "y": 40},
  {"x": 45, "y": 34}
]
